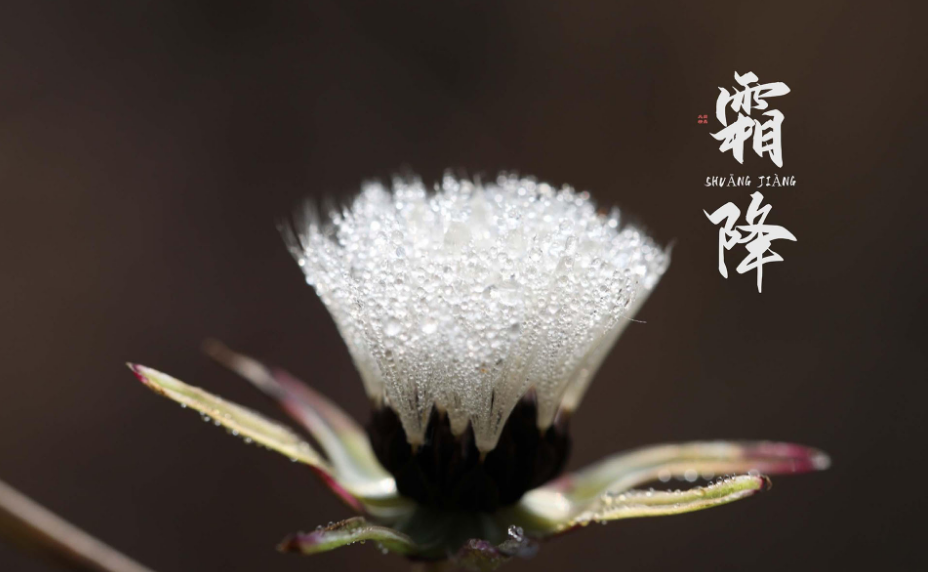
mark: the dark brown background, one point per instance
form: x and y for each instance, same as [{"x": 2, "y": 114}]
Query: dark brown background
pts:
[{"x": 147, "y": 148}]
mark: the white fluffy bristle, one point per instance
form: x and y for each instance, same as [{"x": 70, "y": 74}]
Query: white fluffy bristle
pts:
[{"x": 465, "y": 298}]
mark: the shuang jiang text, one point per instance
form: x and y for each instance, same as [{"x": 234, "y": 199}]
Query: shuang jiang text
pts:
[{"x": 745, "y": 181}]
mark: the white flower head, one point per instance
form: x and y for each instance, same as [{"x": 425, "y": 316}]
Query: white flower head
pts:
[{"x": 466, "y": 298}]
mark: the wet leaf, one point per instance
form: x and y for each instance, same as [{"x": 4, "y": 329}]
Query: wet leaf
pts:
[
  {"x": 344, "y": 442},
  {"x": 350, "y": 531},
  {"x": 244, "y": 423},
  {"x": 688, "y": 461},
  {"x": 637, "y": 504},
  {"x": 548, "y": 507}
]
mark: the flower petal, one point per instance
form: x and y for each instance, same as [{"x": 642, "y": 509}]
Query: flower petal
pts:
[
  {"x": 484, "y": 556},
  {"x": 245, "y": 423},
  {"x": 346, "y": 532},
  {"x": 37, "y": 529},
  {"x": 636, "y": 504}
]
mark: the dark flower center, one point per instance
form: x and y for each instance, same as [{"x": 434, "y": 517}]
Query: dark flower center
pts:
[{"x": 447, "y": 471}]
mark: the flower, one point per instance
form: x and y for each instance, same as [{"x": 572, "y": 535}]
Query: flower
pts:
[{"x": 476, "y": 315}]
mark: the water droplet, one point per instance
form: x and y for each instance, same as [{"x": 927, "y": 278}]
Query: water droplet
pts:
[{"x": 392, "y": 328}]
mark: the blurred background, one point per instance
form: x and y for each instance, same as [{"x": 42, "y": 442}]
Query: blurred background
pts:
[{"x": 147, "y": 148}]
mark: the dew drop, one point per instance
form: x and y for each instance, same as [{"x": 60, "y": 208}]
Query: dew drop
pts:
[{"x": 392, "y": 328}]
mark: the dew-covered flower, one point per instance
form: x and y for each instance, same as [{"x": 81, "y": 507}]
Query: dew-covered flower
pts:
[{"x": 476, "y": 315}]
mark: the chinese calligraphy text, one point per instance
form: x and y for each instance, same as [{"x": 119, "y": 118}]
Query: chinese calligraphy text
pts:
[
  {"x": 756, "y": 236},
  {"x": 765, "y": 136}
]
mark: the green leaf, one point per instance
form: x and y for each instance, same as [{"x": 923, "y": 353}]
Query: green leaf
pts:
[
  {"x": 689, "y": 461},
  {"x": 547, "y": 508},
  {"x": 344, "y": 442},
  {"x": 637, "y": 504},
  {"x": 350, "y": 531},
  {"x": 239, "y": 420},
  {"x": 244, "y": 423}
]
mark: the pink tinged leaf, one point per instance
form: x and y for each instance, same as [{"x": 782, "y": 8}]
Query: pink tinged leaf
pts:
[
  {"x": 246, "y": 424},
  {"x": 344, "y": 442},
  {"x": 549, "y": 507},
  {"x": 39, "y": 530},
  {"x": 688, "y": 461},
  {"x": 350, "y": 531}
]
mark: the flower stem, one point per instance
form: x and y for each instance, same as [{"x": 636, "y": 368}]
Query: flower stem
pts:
[{"x": 37, "y": 529}]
